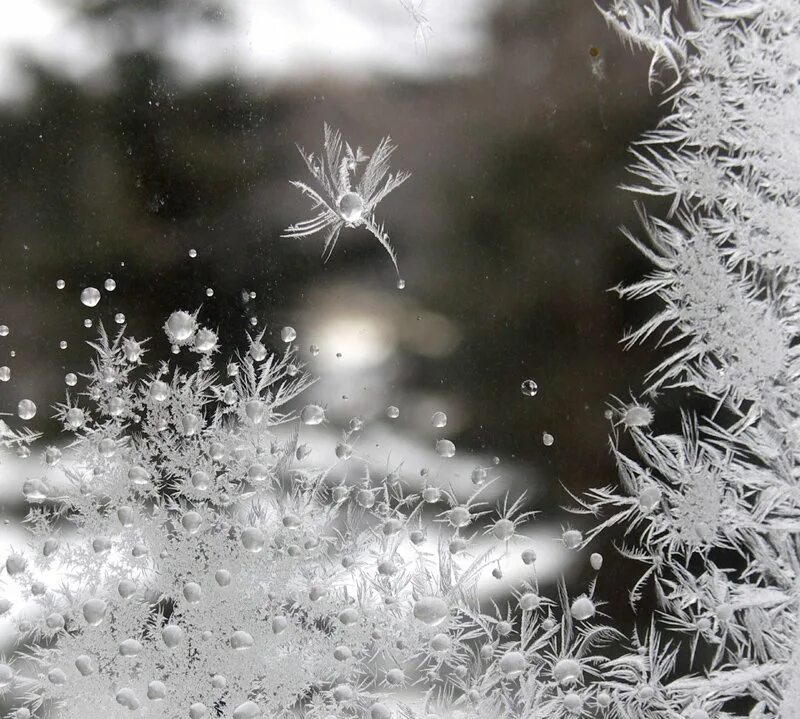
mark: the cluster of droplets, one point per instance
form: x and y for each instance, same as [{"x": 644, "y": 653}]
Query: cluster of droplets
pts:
[{"x": 214, "y": 573}]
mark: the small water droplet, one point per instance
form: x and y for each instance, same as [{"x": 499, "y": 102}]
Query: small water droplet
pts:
[
  {"x": 63, "y": 344},
  {"x": 439, "y": 419},
  {"x": 90, "y": 296},
  {"x": 392, "y": 412},
  {"x": 529, "y": 388},
  {"x": 87, "y": 323},
  {"x": 71, "y": 379},
  {"x": 110, "y": 285},
  {"x": 209, "y": 292},
  {"x": 547, "y": 439},
  {"x": 288, "y": 334},
  {"x": 5, "y": 374},
  {"x": 401, "y": 284},
  {"x": 4, "y": 330},
  {"x": 119, "y": 318},
  {"x": 192, "y": 253},
  {"x": 60, "y": 284},
  {"x": 445, "y": 448},
  {"x": 314, "y": 350},
  {"x": 596, "y": 560},
  {"x": 26, "y": 409}
]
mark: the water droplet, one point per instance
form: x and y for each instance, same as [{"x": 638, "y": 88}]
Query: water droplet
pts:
[
  {"x": 71, "y": 379},
  {"x": 63, "y": 344},
  {"x": 192, "y": 253},
  {"x": 110, "y": 285},
  {"x": 180, "y": 327},
  {"x": 223, "y": 577},
  {"x": 439, "y": 419},
  {"x": 431, "y": 610},
  {"x": 192, "y": 521},
  {"x": 547, "y": 439},
  {"x": 247, "y": 710},
  {"x": 119, "y": 318},
  {"x": 192, "y": 592},
  {"x": 512, "y": 664},
  {"x": 35, "y": 490},
  {"x": 5, "y": 374},
  {"x": 529, "y": 388},
  {"x": 90, "y": 296},
  {"x": 445, "y": 448},
  {"x": 567, "y": 671},
  {"x": 26, "y": 409},
  {"x": 572, "y": 538},
  {"x": 596, "y": 560},
  {"x": 87, "y": 323},
  {"x": 75, "y": 418},
  {"x": 530, "y": 602},
  {"x": 279, "y": 625},
  {"x": 649, "y": 498},
  {"x": 172, "y": 635},
  {"x": 253, "y": 539},
  {"x": 156, "y": 690},
  {"x": 312, "y": 414},
  {"x": 94, "y": 611},
  {"x": 159, "y": 390},
  {"x": 127, "y": 698},
  {"x": 130, "y": 647},
  {"x": 392, "y": 412},
  {"x": 60, "y": 284},
  {"x": 4, "y": 330},
  {"x": 83, "y": 664},
  {"x": 351, "y": 207},
  {"x": 288, "y": 334},
  {"x": 582, "y": 609}
]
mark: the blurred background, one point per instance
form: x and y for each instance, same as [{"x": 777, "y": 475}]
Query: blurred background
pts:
[{"x": 135, "y": 131}]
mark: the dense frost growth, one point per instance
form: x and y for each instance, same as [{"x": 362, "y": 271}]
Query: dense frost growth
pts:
[
  {"x": 713, "y": 513},
  {"x": 206, "y": 569}
]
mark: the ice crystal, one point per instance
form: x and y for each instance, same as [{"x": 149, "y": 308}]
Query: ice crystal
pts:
[{"x": 340, "y": 202}]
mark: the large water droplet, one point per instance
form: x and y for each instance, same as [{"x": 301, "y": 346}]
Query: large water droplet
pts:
[
  {"x": 351, "y": 207},
  {"x": 288, "y": 334},
  {"x": 130, "y": 647},
  {"x": 312, "y": 414},
  {"x": 567, "y": 671},
  {"x": 247, "y": 710},
  {"x": 241, "y": 640},
  {"x": 156, "y": 690},
  {"x": 172, "y": 635},
  {"x": 90, "y": 296},
  {"x": 94, "y": 611},
  {"x": 445, "y": 448},
  {"x": 439, "y": 419},
  {"x": 512, "y": 664},
  {"x": 431, "y": 610},
  {"x": 253, "y": 539},
  {"x": 582, "y": 609},
  {"x": 26, "y": 409},
  {"x": 180, "y": 327},
  {"x": 35, "y": 490}
]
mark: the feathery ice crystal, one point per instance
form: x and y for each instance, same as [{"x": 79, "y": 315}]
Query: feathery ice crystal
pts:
[{"x": 340, "y": 203}]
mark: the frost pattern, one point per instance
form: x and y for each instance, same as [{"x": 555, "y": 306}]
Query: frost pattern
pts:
[
  {"x": 340, "y": 203},
  {"x": 212, "y": 572}
]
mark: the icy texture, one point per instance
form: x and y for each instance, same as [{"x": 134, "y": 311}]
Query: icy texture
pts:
[{"x": 340, "y": 203}]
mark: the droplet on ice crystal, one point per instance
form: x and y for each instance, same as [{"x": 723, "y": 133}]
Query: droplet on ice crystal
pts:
[
  {"x": 90, "y": 296},
  {"x": 529, "y": 388},
  {"x": 180, "y": 327},
  {"x": 572, "y": 538},
  {"x": 431, "y": 610},
  {"x": 26, "y": 409},
  {"x": 253, "y": 539},
  {"x": 351, "y": 207},
  {"x": 445, "y": 448},
  {"x": 582, "y": 609},
  {"x": 401, "y": 284},
  {"x": 288, "y": 334},
  {"x": 512, "y": 664}
]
